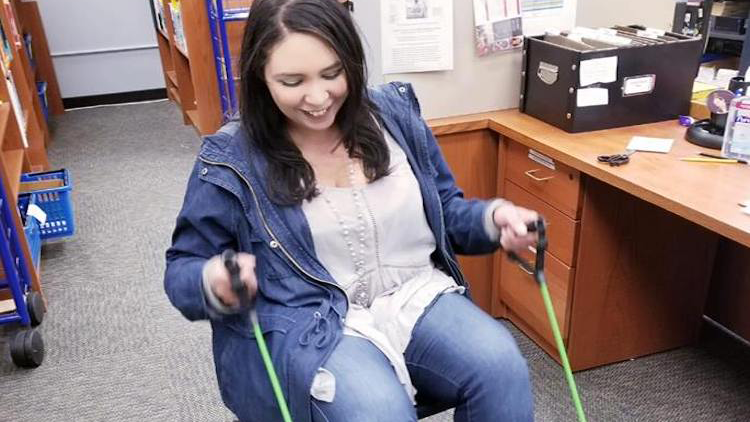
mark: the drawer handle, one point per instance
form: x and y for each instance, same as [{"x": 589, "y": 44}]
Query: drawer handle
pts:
[
  {"x": 524, "y": 269},
  {"x": 530, "y": 173}
]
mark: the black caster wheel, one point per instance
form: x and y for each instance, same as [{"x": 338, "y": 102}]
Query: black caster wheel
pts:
[
  {"x": 27, "y": 349},
  {"x": 36, "y": 307}
]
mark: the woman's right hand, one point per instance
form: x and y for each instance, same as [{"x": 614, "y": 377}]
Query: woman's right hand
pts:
[{"x": 220, "y": 282}]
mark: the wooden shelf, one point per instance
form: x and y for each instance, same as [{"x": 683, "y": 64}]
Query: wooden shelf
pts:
[
  {"x": 4, "y": 114},
  {"x": 181, "y": 51},
  {"x": 193, "y": 116},
  {"x": 13, "y": 164},
  {"x": 172, "y": 75},
  {"x": 199, "y": 89},
  {"x": 160, "y": 32},
  {"x": 175, "y": 95}
]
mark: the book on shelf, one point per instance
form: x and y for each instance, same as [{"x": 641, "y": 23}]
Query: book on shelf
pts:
[
  {"x": 159, "y": 14},
  {"x": 6, "y": 52},
  {"x": 15, "y": 36},
  {"x": 179, "y": 33},
  {"x": 17, "y": 108}
]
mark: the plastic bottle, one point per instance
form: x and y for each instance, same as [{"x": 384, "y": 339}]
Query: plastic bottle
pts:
[{"x": 737, "y": 134}]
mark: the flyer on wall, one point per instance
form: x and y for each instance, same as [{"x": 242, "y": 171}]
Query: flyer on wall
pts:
[
  {"x": 417, "y": 35},
  {"x": 497, "y": 26}
]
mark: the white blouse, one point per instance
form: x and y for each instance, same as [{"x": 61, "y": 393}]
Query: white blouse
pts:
[{"x": 375, "y": 242}]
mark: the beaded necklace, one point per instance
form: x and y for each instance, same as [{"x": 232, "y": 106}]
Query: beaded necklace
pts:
[{"x": 362, "y": 288}]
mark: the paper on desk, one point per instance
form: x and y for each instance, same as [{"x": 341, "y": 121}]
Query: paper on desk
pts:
[
  {"x": 602, "y": 70},
  {"x": 643, "y": 143},
  {"x": 592, "y": 97}
]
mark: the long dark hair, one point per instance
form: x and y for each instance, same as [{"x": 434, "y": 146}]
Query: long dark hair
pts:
[{"x": 291, "y": 178}]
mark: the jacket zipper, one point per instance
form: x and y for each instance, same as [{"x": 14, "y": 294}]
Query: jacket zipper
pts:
[
  {"x": 462, "y": 279},
  {"x": 460, "y": 275},
  {"x": 270, "y": 232}
]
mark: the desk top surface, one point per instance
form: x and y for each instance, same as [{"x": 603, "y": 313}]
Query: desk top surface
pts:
[{"x": 707, "y": 194}]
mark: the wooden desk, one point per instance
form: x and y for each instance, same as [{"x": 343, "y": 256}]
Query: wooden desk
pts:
[{"x": 638, "y": 278}]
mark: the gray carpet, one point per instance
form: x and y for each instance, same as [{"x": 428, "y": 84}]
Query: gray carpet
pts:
[{"x": 118, "y": 351}]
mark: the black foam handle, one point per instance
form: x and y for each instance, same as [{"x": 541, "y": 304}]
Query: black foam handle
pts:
[
  {"x": 229, "y": 257},
  {"x": 538, "y": 226}
]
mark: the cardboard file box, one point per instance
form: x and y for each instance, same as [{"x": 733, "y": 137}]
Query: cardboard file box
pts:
[{"x": 604, "y": 87}]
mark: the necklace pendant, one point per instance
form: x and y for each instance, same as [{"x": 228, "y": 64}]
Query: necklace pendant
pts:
[{"x": 361, "y": 295}]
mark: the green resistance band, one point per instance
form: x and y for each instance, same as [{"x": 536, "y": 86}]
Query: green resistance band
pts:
[
  {"x": 539, "y": 226},
  {"x": 269, "y": 367},
  {"x": 240, "y": 289}
]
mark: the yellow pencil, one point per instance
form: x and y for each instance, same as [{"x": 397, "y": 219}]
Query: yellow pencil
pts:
[{"x": 710, "y": 160}]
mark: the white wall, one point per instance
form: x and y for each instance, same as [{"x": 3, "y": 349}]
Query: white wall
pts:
[
  {"x": 652, "y": 13},
  {"x": 475, "y": 84},
  {"x": 81, "y": 32}
]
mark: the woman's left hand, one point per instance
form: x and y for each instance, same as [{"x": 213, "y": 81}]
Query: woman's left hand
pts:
[{"x": 511, "y": 221}]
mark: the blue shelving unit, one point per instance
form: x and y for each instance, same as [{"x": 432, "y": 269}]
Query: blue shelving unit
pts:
[
  {"x": 220, "y": 13},
  {"x": 27, "y": 346}
]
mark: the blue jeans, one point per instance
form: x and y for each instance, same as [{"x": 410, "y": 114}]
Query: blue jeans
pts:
[{"x": 457, "y": 355}]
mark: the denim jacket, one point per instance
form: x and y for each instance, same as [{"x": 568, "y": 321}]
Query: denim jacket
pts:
[{"x": 300, "y": 307}]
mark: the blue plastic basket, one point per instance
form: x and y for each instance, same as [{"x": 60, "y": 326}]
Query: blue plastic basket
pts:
[
  {"x": 31, "y": 227},
  {"x": 56, "y": 202}
]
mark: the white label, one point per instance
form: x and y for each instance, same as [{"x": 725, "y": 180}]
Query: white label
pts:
[
  {"x": 542, "y": 159},
  {"x": 636, "y": 85},
  {"x": 602, "y": 70},
  {"x": 644, "y": 143},
  {"x": 592, "y": 97},
  {"x": 38, "y": 213}
]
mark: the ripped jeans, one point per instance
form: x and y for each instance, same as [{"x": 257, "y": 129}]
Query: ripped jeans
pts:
[{"x": 458, "y": 355}]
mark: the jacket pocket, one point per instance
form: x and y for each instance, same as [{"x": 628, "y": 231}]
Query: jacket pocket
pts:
[
  {"x": 243, "y": 381},
  {"x": 240, "y": 324}
]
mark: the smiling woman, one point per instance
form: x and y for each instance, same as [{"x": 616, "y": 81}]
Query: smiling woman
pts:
[
  {"x": 303, "y": 91},
  {"x": 345, "y": 217},
  {"x": 307, "y": 82}
]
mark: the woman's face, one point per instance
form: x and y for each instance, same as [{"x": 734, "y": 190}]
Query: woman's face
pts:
[{"x": 306, "y": 81}]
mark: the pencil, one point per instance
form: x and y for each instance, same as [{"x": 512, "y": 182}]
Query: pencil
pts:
[
  {"x": 710, "y": 160},
  {"x": 722, "y": 158}
]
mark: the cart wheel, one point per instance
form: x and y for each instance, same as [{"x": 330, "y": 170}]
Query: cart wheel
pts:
[
  {"x": 35, "y": 303},
  {"x": 27, "y": 349}
]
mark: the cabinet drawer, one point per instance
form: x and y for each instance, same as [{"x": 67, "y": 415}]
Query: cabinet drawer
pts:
[
  {"x": 562, "y": 231},
  {"x": 559, "y": 187},
  {"x": 520, "y": 292}
]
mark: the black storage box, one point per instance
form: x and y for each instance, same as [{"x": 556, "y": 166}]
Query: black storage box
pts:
[{"x": 619, "y": 86}]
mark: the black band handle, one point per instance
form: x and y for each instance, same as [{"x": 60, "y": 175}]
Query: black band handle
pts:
[
  {"x": 229, "y": 257},
  {"x": 540, "y": 227}
]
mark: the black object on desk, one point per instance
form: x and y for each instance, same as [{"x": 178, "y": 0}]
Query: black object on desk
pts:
[
  {"x": 709, "y": 133},
  {"x": 600, "y": 88},
  {"x": 615, "y": 160}
]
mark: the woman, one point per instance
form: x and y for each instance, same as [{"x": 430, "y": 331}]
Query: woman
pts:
[{"x": 346, "y": 217}]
